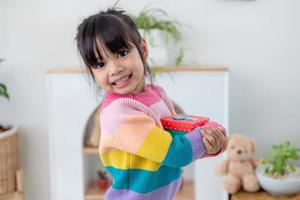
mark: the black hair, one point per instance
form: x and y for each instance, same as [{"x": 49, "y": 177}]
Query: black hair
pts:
[{"x": 114, "y": 29}]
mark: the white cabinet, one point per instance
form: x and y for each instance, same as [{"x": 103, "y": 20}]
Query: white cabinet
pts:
[
  {"x": 71, "y": 100},
  {"x": 203, "y": 93}
]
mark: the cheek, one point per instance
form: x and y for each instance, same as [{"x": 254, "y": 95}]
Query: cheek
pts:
[
  {"x": 100, "y": 79},
  {"x": 138, "y": 63},
  {"x": 139, "y": 70}
]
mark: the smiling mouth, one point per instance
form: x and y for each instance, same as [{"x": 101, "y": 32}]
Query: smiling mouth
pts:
[{"x": 122, "y": 82}]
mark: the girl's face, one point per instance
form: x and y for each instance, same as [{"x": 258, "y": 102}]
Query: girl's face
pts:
[{"x": 122, "y": 72}]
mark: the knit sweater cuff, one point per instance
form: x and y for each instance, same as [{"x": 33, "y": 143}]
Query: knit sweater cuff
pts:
[{"x": 195, "y": 138}]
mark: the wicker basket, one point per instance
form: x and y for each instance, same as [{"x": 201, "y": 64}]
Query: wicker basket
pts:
[{"x": 8, "y": 160}]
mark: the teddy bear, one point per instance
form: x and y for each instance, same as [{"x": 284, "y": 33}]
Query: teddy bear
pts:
[{"x": 238, "y": 170}]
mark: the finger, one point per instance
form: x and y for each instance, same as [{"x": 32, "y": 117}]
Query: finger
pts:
[
  {"x": 223, "y": 130},
  {"x": 219, "y": 143},
  {"x": 213, "y": 135},
  {"x": 213, "y": 132},
  {"x": 221, "y": 138},
  {"x": 207, "y": 130},
  {"x": 207, "y": 145},
  {"x": 203, "y": 131},
  {"x": 219, "y": 129},
  {"x": 224, "y": 141},
  {"x": 210, "y": 139}
]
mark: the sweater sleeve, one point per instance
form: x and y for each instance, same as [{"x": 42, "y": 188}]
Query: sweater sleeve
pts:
[{"x": 128, "y": 126}]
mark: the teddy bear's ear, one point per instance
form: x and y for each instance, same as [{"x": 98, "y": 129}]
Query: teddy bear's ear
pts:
[{"x": 253, "y": 144}]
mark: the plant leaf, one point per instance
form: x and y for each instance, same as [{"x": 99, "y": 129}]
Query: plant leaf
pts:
[
  {"x": 3, "y": 91},
  {"x": 179, "y": 57}
]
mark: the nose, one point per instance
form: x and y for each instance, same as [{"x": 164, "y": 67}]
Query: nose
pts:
[
  {"x": 115, "y": 68},
  {"x": 239, "y": 151}
]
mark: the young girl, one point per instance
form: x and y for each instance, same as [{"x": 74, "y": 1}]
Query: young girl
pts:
[{"x": 143, "y": 159}]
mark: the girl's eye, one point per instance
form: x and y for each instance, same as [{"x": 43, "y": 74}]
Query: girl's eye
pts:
[
  {"x": 99, "y": 65},
  {"x": 122, "y": 53}
]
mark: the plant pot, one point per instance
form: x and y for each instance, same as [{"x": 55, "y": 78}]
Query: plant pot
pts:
[
  {"x": 8, "y": 160},
  {"x": 102, "y": 184},
  {"x": 287, "y": 186}
]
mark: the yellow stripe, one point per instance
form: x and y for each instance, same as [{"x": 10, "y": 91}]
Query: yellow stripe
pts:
[
  {"x": 124, "y": 160},
  {"x": 156, "y": 145}
]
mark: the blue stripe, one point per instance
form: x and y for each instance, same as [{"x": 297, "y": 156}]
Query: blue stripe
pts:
[
  {"x": 180, "y": 152},
  {"x": 175, "y": 132},
  {"x": 134, "y": 179}
]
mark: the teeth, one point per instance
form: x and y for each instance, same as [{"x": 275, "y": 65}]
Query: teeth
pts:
[{"x": 122, "y": 80}]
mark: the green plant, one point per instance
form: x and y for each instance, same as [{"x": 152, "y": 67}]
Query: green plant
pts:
[
  {"x": 3, "y": 89},
  {"x": 279, "y": 164},
  {"x": 153, "y": 18},
  {"x": 102, "y": 174}
]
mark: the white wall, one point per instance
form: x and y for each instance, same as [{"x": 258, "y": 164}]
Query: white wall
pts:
[{"x": 257, "y": 40}]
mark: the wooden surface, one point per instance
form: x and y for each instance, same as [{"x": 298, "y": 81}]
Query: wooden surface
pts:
[
  {"x": 12, "y": 196},
  {"x": 187, "y": 193},
  {"x": 94, "y": 193},
  {"x": 63, "y": 70},
  {"x": 90, "y": 150},
  {"x": 261, "y": 196}
]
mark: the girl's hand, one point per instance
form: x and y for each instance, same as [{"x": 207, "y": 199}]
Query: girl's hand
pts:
[{"x": 214, "y": 139}]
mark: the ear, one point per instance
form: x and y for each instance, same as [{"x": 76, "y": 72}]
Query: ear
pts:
[
  {"x": 144, "y": 49},
  {"x": 253, "y": 144}
]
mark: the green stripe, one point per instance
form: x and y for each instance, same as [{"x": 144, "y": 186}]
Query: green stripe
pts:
[
  {"x": 180, "y": 152},
  {"x": 173, "y": 132}
]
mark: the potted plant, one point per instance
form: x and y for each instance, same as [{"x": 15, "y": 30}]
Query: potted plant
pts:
[
  {"x": 3, "y": 93},
  {"x": 278, "y": 175},
  {"x": 8, "y": 152},
  {"x": 160, "y": 30},
  {"x": 103, "y": 180}
]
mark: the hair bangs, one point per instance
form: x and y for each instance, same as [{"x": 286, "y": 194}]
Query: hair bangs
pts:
[
  {"x": 87, "y": 43},
  {"x": 111, "y": 33}
]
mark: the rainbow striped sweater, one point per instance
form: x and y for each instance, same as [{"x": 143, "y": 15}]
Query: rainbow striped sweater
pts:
[{"x": 143, "y": 159}]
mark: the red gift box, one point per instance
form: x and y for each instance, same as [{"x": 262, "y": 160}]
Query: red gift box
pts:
[{"x": 184, "y": 123}]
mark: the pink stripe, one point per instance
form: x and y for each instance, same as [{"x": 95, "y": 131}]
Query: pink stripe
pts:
[
  {"x": 160, "y": 109},
  {"x": 149, "y": 97},
  {"x": 115, "y": 114},
  {"x": 165, "y": 98}
]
